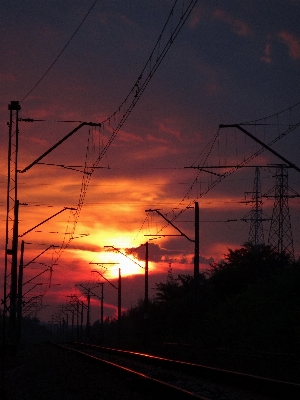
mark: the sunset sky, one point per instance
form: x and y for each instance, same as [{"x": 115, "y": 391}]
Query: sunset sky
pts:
[{"x": 81, "y": 60}]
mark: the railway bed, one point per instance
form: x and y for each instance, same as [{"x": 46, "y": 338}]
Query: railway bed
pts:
[
  {"x": 72, "y": 372},
  {"x": 205, "y": 382}
]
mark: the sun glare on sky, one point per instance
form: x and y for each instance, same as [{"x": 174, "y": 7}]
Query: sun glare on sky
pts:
[{"x": 110, "y": 261}]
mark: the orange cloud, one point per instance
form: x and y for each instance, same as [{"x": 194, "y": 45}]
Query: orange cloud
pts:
[
  {"x": 292, "y": 42},
  {"x": 6, "y": 77},
  {"x": 165, "y": 127},
  {"x": 267, "y": 54},
  {"x": 212, "y": 86},
  {"x": 128, "y": 137},
  {"x": 126, "y": 20},
  {"x": 239, "y": 27},
  {"x": 42, "y": 142},
  {"x": 195, "y": 17},
  {"x": 152, "y": 138}
]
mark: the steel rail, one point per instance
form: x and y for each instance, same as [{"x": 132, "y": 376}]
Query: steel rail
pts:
[
  {"x": 278, "y": 389},
  {"x": 142, "y": 380}
]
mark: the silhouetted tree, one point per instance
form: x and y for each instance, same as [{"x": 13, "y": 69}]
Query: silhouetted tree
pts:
[
  {"x": 250, "y": 300},
  {"x": 245, "y": 266}
]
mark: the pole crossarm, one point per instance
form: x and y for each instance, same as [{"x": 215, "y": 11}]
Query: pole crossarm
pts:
[
  {"x": 106, "y": 279},
  {"x": 158, "y": 236},
  {"x": 123, "y": 254},
  {"x": 94, "y": 294},
  {"x": 76, "y": 299},
  {"x": 52, "y": 216},
  {"x": 262, "y": 144},
  {"x": 57, "y": 144},
  {"x": 52, "y": 246},
  {"x": 104, "y": 263},
  {"x": 37, "y": 284},
  {"x": 48, "y": 269},
  {"x": 166, "y": 219},
  {"x": 33, "y": 298},
  {"x": 85, "y": 288}
]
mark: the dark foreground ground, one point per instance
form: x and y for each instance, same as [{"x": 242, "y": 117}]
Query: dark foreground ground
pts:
[
  {"x": 40, "y": 372},
  {"x": 43, "y": 372}
]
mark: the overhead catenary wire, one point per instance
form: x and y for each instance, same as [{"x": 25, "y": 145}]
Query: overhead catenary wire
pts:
[
  {"x": 135, "y": 93},
  {"x": 220, "y": 177},
  {"x": 60, "y": 53},
  {"x": 156, "y": 57}
]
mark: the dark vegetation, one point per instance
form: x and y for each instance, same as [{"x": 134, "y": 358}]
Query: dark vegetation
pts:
[{"x": 249, "y": 301}]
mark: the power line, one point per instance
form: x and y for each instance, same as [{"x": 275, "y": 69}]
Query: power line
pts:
[
  {"x": 61, "y": 52},
  {"x": 156, "y": 57},
  {"x": 272, "y": 115}
]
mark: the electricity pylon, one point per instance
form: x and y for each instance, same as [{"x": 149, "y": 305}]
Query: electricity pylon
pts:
[
  {"x": 255, "y": 216},
  {"x": 280, "y": 234}
]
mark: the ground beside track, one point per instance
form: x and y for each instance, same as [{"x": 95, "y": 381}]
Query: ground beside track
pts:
[{"x": 41, "y": 372}]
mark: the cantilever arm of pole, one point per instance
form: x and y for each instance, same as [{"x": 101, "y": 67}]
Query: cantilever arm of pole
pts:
[
  {"x": 52, "y": 246},
  {"x": 36, "y": 276},
  {"x": 113, "y": 247},
  {"x": 57, "y": 144},
  {"x": 262, "y": 144},
  {"x": 166, "y": 219},
  {"x": 106, "y": 279},
  {"x": 54, "y": 215}
]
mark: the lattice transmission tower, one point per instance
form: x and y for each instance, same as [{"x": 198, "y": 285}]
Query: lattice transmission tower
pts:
[
  {"x": 280, "y": 234},
  {"x": 255, "y": 216}
]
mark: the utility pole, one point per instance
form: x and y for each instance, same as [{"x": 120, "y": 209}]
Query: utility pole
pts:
[
  {"x": 14, "y": 277},
  {"x": 119, "y": 289},
  {"x": 12, "y": 210},
  {"x": 196, "y": 241},
  {"x": 78, "y": 303},
  {"x": 65, "y": 326},
  {"x": 101, "y": 312},
  {"x": 197, "y": 255},
  {"x": 146, "y": 299},
  {"x": 119, "y": 304},
  {"x": 81, "y": 320},
  {"x": 88, "y": 315},
  {"x": 88, "y": 296},
  {"x": 20, "y": 293}
]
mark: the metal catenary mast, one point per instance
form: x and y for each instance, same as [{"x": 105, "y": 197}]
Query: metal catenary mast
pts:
[{"x": 12, "y": 208}]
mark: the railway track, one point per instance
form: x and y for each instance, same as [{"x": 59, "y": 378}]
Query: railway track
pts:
[{"x": 183, "y": 380}]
